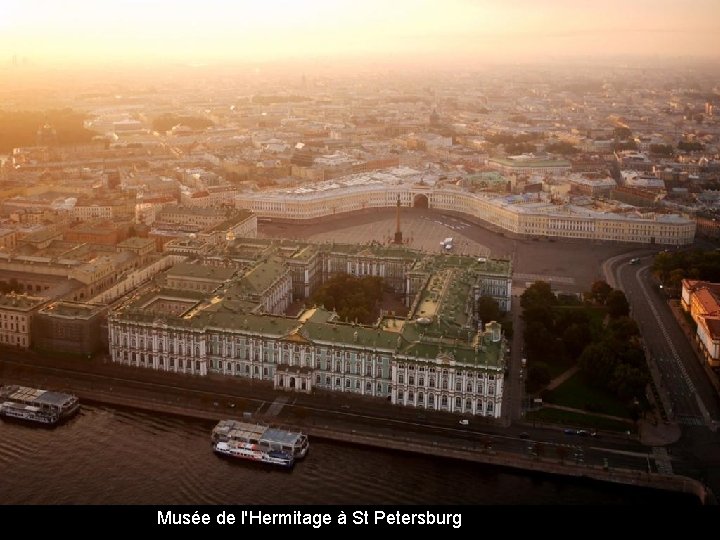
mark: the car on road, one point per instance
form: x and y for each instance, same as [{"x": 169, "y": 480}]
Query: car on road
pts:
[
  {"x": 583, "y": 433},
  {"x": 524, "y": 435},
  {"x": 569, "y": 431}
]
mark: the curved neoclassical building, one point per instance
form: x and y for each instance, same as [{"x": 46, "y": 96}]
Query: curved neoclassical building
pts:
[{"x": 529, "y": 214}]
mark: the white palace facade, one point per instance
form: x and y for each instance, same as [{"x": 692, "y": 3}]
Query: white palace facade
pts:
[
  {"x": 528, "y": 215},
  {"x": 435, "y": 357}
]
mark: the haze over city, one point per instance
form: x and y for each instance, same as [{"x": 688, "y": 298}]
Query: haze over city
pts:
[
  {"x": 135, "y": 32},
  {"x": 467, "y": 251}
]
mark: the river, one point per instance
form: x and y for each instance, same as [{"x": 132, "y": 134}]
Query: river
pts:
[{"x": 113, "y": 456}]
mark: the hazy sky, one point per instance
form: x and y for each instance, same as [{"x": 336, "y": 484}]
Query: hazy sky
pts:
[{"x": 82, "y": 31}]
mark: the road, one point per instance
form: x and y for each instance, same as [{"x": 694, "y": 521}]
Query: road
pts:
[
  {"x": 688, "y": 395},
  {"x": 693, "y": 400}
]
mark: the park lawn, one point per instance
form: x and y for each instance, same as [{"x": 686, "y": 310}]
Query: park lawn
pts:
[
  {"x": 577, "y": 420},
  {"x": 559, "y": 365},
  {"x": 577, "y": 394}
]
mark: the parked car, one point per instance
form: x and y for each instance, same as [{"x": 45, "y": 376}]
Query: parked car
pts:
[
  {"x": 524, "y": 435},
  {"x": 569, "y": 431}
]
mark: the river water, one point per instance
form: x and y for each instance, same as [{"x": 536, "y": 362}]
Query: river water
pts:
[{"x": 112, "y": 456}]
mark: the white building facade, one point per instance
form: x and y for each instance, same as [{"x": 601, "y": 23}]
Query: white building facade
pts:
[{"x": 511, "y": 213}]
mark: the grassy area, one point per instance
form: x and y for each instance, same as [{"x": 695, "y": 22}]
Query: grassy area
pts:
[
  {"x": 559, "y": 366},
  {"x": 577, "y": 420},
  {"x": 577, "y": 394}
]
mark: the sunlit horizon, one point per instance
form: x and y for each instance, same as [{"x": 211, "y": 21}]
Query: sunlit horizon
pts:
[{"x": 82, "y": 32}]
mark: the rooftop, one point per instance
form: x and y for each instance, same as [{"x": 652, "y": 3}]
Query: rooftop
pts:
[
  {"x": 200, "y": 271},
  {"x": 70, "y": 310},
  {"x": 530, "y": 161},
  {"x": 21, "y": 302},
  {"x": 135, "y": 242}
]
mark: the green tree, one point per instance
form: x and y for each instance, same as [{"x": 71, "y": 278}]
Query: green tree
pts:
[
  {"x": 661, "y": 149},
  {"x": 617, "y": 304},
  {"x": 19, "y": 128},
  {"x": 488, "y": 309},
  {"x": 561, "y": 147},
  {"x": 354, "y": 299},
  {"x": 622, "y": 133},
  {"x": 628, "y": 382},
  {"x": 575, "y": 338},
  {"x": 686, "y": 146},
  {"x": 538, "y": 294},
  {"x": 600, "y": 291},
  {"x": 623, "y": 329},
  {"x": 538, "y": 375},
  {"x": 632, "y": 354},
  {"x": 598, "y": 362},
  {"x": 520, "y": 148},
  {"x": 675, "y": 278},
  {"x": 537, "y": 341},
  {"x": 542, "y": 314}
]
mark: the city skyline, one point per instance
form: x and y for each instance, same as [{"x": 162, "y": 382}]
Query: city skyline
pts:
[{"x": 81, "y": 33}]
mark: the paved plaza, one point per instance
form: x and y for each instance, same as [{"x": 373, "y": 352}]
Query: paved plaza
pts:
[{"x": 568, "y": 265}]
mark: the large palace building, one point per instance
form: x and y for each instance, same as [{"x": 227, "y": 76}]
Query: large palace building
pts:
[
  {"x": 528, "y": 215},
  {"x": 436, "y": 355}
]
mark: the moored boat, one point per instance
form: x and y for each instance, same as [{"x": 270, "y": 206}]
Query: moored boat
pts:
[
  {"x": 241, "y": 439},
  {"x": 35, "y": 405},
  {"x": 253, "y": 452}
]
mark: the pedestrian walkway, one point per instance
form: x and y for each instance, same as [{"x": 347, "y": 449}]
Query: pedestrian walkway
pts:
[
  {"x": 276, "y": 406},
  {"x": 706, "y": 419},
  {"x": 662, "y": 460},
  {"x": 582, "y": 411},
  {"x": 564, "y": 376},
  {"x": 658, "y": 433}
]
